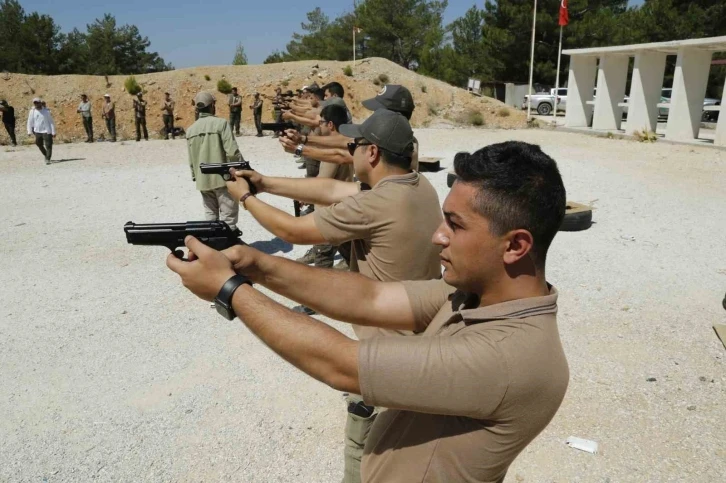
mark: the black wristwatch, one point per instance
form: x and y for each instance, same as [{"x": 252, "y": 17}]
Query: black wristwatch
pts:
[
  {"x": 299, "y": 150},
  {"x": 223, "y": 302}
]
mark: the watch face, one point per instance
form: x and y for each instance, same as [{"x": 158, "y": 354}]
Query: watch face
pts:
[{"x": 223, "y": 310}]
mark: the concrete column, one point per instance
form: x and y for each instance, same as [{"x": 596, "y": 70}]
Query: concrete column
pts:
[
  {"x": 612, "y": 74},
  {"x": 720, "y": 139},
  {"x": 580, "y": 85},
  {"x": 689, "y": 88},
  {"x": 645, "y": 91}
]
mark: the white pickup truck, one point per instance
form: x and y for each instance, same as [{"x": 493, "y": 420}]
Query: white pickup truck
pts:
[{"x": 544, "y": 102}]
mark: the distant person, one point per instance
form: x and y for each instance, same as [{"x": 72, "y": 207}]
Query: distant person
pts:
[
  {"x": 235, "y": 110},
  {"x": 109, "y": 115},
  {"x": 257, "y": 113},
  {"x": 140, "y": 117},
  {"x": 9, "y": 120},
  {"x": 41, "y": 125},
  {"x": 168, "y": 116},
  {"x": 210, "y": 140},
  {"x": 84, "y": 108}
]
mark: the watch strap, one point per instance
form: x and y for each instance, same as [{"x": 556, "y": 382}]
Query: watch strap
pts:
[{"x": 224, "y": 297}]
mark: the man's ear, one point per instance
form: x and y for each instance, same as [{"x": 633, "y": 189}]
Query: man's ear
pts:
[
  {"x": 519, "y": 244},
  {"x": 374, "y": 155}
]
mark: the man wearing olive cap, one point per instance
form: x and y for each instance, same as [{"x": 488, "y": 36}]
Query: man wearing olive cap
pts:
[{"x": 210, "y": 140}]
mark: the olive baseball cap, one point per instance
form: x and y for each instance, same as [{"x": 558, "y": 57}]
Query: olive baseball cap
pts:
[
  {"x": 203, "y": 99},
  {"x": 384, "y": 128},
  {"x": 393, "y": 97}
]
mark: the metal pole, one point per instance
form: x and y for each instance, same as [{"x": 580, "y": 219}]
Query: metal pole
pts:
[
  {"x": 531, "y": 64},
  {"x": 557, "y": 79},
  {"x": 354, "y": 28}
]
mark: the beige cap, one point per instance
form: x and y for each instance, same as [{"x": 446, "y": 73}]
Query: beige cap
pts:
[
  {"x": 107, "y": 95},
  {"x": 204, "y": 99},
  {"x": 37, "y": 99}
]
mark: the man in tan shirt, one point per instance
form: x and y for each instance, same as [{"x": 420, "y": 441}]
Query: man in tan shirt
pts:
[
  {"x": 487, "y": 373},
  {"x": 331, "y": 118},
  {"x": 168, "y": 115}
]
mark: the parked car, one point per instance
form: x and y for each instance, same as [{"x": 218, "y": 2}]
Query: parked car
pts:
[
  {"x": 706, "y": 116},
  {"x": 544, "y": 102}
]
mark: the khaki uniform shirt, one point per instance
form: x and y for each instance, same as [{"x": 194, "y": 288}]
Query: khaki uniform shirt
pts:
[
  {"x": 109, "y": 110},
  {"x": 234, "y": 103},
  {"x": 168, "y": 108},
  {"x": 391, "y": 227},
  {"x": 341, "y": 172},
  {"x": 210, "y": 140},
  {"x": 467, "y": 395},
  {"x": 140, "y": 109}
]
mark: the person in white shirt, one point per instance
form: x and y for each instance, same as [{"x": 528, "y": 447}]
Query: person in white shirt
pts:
[{"x": 40, "y": 124}]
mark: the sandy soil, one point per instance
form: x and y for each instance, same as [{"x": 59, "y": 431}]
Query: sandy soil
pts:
[{"x": 112, "y": 371}]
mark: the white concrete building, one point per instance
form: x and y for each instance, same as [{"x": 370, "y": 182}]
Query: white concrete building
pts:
[{"x": 609, "y": 65}]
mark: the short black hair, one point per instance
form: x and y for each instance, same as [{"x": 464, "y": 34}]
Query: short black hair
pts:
[
  {"x": 335, "y": 114},
  {"x": 519, "y": 187},
  {"x": 334, "y": 88},
  {"x": 398, "y": 160},
  {"x": 319, "y": 93}
]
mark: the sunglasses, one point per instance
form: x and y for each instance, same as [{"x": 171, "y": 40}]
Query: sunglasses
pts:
[
  {"x": 323, "y": 122},
  {"x": 354, "y": 145}
]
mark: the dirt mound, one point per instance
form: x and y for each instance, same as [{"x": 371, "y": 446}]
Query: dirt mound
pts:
[{"x": 437, "y": 103}]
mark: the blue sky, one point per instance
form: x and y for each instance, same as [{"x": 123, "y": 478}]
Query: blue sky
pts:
[{"x": 187, "y": 33}]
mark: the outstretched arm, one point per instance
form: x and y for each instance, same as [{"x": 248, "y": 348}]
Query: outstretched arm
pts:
[{"x": 316, "y": 191}]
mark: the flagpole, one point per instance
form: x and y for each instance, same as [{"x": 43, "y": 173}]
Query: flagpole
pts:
[
  {"x": 557, "y": 78},
  {"x": 531, "y": 64}
]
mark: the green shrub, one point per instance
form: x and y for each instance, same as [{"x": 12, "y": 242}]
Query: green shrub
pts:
[
  {"x": 503, "y": 112},
  {"x": 424, "y": 89},
  {"x": 383, "y": 78},
  {"x": 433, "y": 108},
  {"x": 285, "y": 83},
  {"x": 206, "y": 77},
  {"x": 645, "y": 136},
  {"x": 475, "y": 118},
  {"x": 132, "y": 87},
  {"x": 348, "y": 70},
  {"x": 223, "y": 86}
]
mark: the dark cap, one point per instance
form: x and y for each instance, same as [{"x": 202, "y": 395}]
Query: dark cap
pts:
[
  {"x": 312, "y": 87},
  {"x": 3, "y": 102},
  {"x": 386, "y": 129},
  {"x": 393, "y": 97}
]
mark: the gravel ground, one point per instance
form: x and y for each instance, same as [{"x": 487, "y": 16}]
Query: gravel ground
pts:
[{"x": 112, "y": 371}]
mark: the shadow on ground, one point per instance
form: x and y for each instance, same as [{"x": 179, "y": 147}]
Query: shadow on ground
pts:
[
  {"x": 272, "y": 246},
  {"x": 67, "y": 160}
]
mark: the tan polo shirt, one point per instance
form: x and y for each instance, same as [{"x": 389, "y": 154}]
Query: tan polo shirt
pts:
[
  {"x": 468, "y": 394},
  {"x": 341, "y": 172},
  {"x": 391, "y": 226}
]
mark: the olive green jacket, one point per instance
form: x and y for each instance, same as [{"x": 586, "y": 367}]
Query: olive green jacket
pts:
[{"x": 210, "y": 140}]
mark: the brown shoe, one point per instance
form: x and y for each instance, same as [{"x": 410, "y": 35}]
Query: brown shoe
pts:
[{"x": 308, "y": 258}]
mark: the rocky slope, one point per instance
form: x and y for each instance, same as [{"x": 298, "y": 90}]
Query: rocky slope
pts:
[{"x": 437, "y": 103}]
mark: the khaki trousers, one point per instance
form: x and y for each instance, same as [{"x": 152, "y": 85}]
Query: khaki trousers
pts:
[
  {"x": 219, "y": 205},
  {"x": 357, "y": 429}
]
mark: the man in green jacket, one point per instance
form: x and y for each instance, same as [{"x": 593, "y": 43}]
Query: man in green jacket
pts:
[{"x": 210, "y": 140}]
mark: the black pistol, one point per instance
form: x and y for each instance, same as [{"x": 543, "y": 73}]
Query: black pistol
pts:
[
  {"x": 216, "y": 234},
  {"x": 222, "y": 169},
  {"x": 276, "y": 126}
]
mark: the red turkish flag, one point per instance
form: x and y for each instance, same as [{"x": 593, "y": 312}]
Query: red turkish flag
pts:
[{"x": 564, "y": 15}]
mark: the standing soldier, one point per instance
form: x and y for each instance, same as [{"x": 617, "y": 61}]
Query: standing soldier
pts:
[
  {"x": 85, "y": 109},
  {"x": 277, "y": 106},
  {"x": 257, "y": 113},
  {"x": 210, "y": 140},
  {"x": 9, "y": 120},
  {"x": 168, "y": 116},
  {"x": 109, "y": 115},
  {"x": 235, "y": 110},
  {"x": 41, "y": 125},
  {"x": 140, "y": 116}
]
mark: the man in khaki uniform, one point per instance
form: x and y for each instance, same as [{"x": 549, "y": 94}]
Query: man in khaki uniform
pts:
[
  {"x": 234, "y": 100},
  {"x": 109, "y": 115},
  {"x": 486, "y": 374},
  {"x": 257, "y": 113},
  {"x": 85, "y": 110},
  {"x": 210, "y": 140},
  {"x": 140, "y": 117},
  {"x": 331, "y": 118},
  {"x": 168, "y": 115}
]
